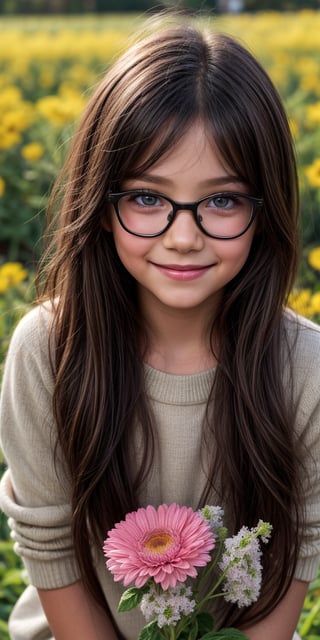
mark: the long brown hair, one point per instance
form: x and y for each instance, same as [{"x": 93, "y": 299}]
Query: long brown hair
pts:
[{"x": 153, "y": 93}]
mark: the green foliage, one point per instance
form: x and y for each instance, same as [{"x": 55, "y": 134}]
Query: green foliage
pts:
[
  {"x": 27, "y": 185},
  {"x": 131, "y": 598},
  {"x": 15, "y": 297},
  {"x": 282, "y": 5},
  {"x": 309, "y": 623},
  {"x": 150, "y": 632},
  {"x": 15, "y": 300},
  {"x": 225, "y": 634},
  {"x": 83, "y": 6},
  {"x": 13, "y": 578}
]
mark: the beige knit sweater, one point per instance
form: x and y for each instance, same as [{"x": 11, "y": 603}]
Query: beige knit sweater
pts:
[{"x": 37, "y": 499}]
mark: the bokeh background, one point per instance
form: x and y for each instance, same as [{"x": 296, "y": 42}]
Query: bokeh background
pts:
[{"x": 52, "y": 54}]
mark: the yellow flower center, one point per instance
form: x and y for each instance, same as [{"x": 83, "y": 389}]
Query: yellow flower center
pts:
[{"x": 159, "y": 542}]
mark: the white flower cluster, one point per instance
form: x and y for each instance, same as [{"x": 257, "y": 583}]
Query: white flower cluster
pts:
[
  {"x": 167, "y": 607},
  {"x": 241, "y": 562},
  {"x": 214, "y": 516}
]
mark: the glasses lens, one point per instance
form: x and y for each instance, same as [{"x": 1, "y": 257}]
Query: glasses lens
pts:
[
  {"x": 144, "y": 213},
  {"x": 225, "y": 214}
]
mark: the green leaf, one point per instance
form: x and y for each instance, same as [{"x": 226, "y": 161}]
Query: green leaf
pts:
[
  {"x": 225, "y": 634},
  {"x": 150, "y": 632},
  {"x": 13, "y": 577},
  {"x": 193, "y": 631},
  {"x": 205, "y": 623},
  {"x": 4, "y": 633},
  {"x": 309, "y": 620},
  {"x": 131, "y": 598}
]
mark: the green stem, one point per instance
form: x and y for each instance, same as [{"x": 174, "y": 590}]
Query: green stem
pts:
[
  {"x": 209, "y": 568},
  {"x": 309, "y": 620},
  {"x": 172, "y": 633}
]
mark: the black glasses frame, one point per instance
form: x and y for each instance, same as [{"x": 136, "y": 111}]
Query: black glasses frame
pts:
[{"x": 257, "y": 203}]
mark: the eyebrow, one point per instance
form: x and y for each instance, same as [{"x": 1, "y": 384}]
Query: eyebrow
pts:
[{"x": 210, "y": 182}]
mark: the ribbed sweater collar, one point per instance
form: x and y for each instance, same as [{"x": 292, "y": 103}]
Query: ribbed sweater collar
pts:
[{"x": 178, "y": 389}]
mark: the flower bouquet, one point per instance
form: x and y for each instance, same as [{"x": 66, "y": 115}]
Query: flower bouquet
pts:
[{"x": 159, "y": 551}]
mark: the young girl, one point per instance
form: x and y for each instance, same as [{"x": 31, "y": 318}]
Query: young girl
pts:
[{"x": 162, "y": 365}]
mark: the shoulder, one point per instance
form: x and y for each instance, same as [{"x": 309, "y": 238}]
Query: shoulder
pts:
[
  {"x": 28, "y": 353},
  {"x": 303, "y": 339},
  {"x": 302, "y": 369},
  {"x": 33, "y": 329}
]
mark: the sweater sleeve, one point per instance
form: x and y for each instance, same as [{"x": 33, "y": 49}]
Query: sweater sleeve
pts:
[
  {"x": 309, "y": 558},
  {"x": 307, "y": 394},
  {"x": 35, "y": 490}
]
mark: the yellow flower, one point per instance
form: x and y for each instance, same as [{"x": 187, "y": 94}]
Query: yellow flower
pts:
[
  {"x": 2, "y": 187},
  {"x": 307, "y": 68},
  {"x": 313, "y": 173},
  {"x": 8, "y": 139},
  {"x": 300, "y": 301},
  {"x": 294, "y": 127},
  {"x": 315, "y": 302},
  {"x": 18, "y": 119},
  {"x": 60, "y": 110},
  {"x": 46, "y": 77},
  {"x": 310, "y": 82},
  {"x": 9, "y": 98},
  {"x": 11, "y": 274},
  {"x": 313, "y": 114},
  {"x": 33, "y": 151},
  {"x": 314, "y": 258}
]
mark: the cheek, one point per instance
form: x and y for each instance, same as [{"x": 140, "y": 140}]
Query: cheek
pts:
[
  {"x": 235, "y": 252},
  {"x": 127, "y": 250},
  {"x": 131, "y": 249}
]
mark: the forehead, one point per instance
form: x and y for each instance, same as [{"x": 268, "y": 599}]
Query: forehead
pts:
[
  {"x": 195, "y": 147},
  {"x": 190, "y": 169}
]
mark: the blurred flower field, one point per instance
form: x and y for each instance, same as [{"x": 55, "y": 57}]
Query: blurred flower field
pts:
[{"x": 48, "y": 68}]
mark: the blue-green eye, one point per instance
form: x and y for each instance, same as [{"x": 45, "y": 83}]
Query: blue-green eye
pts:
[
  {"x": 221, "y": 202},
  {"x": 147, "y": 200}
]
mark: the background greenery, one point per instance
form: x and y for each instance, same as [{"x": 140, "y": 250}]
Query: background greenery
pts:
[
  {"x": 48, "y": 68},
  {"x": 84, "y": 6}
]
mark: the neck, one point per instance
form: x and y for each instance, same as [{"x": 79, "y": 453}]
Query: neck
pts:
[{"x": 178, "y": 340}]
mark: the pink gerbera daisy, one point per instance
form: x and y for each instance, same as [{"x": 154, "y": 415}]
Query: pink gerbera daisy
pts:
[{"x": 165, "y": 544}]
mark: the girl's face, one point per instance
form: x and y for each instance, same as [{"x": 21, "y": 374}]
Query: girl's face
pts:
[{"x": 183, "y": 269}]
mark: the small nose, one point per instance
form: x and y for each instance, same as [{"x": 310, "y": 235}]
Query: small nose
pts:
[{"x": 183, "y": 235}]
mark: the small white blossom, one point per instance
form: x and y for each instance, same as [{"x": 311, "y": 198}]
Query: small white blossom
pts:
[
  {"x": 213, "y": 515},
  {"x": 242, "y": 564},
  {"x": 168, "y": 606},
  {"x": 264, "y": 530}
]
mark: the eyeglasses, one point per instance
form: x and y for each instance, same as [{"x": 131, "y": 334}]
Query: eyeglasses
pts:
[{"x": 224, "y": 215}]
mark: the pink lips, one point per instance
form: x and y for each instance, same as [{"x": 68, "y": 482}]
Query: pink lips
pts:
[{"x": 182, "y": 272}]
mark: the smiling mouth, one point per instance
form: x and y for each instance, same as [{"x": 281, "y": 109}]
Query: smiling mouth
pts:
[{"x": 182, "y": 272}]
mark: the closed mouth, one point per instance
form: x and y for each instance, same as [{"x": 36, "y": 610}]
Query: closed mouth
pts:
[
  {"x": 184, "y": 267},
  {"x": 182, "y": 272}
]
